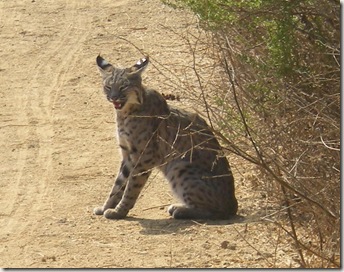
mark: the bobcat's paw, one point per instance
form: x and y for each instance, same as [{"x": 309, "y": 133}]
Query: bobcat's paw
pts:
[
  {"x": 98, "y": 211},
  {"x": 113, "y": 214},
  {"x": 172, "y": 208}
]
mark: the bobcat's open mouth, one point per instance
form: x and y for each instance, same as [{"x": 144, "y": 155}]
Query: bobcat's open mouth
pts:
[{"x": 118, "y": 105}]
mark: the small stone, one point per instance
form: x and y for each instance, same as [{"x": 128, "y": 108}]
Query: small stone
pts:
[{"x": 224, "y": 244}]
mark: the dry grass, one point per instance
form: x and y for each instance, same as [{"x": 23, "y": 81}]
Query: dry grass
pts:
[{"x": 292, "y": 138}]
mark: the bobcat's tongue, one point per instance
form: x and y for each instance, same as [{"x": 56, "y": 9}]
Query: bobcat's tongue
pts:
[{"x": 118, "y": 105}]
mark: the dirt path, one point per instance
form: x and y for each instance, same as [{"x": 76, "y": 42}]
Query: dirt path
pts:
[{"x": 59, "y": 155}]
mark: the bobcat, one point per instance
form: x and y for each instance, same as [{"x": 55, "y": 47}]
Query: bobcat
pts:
[{"x": 179, "y": 143}]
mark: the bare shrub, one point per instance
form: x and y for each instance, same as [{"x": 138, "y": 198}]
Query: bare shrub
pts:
[{"x": 278, "y": 107}]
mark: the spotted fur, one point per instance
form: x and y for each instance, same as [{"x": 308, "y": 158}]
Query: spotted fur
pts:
[{"x": 179, "y": 143}]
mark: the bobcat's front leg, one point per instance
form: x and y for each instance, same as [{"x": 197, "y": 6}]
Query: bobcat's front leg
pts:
[
  {"x": 134, "y": 186},
  {"x": 116, "y": 191}
]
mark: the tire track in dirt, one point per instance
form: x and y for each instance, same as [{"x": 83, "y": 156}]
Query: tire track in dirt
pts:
[
  {"x": 20, "y": 130},
  {"x": 44, "y": 101},
  {"x": 29, "y": 193}
]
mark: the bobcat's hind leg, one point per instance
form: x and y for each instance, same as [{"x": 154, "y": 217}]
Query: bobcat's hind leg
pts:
[{"x": 181, "y": 211}]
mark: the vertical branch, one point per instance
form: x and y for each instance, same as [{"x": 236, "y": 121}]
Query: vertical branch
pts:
[
  {"x": 231, "y": 77},
  {"x": 194, "y": 67},
  {"x": 298, "y": 247}
]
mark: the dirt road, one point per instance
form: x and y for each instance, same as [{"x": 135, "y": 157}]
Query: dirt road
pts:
[{"x": 59, "y": 155}]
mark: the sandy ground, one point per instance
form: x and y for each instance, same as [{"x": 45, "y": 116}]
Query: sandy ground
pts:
[{"x": 59, "y": 154}]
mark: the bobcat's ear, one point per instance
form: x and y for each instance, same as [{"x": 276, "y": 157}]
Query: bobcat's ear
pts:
[
  {"x": 104, "y": 67},
  {"x": 139, "y": 67}
]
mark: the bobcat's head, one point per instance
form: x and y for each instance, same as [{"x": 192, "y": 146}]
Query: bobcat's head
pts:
[{"x": 122, "y": 87}]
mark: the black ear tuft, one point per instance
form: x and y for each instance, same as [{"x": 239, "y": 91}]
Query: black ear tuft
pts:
[
  {"x": 141, "y": 63},
  {"x": 102, "y": 63}
]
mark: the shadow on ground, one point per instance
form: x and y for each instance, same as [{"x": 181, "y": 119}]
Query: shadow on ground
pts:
[{"x": 169, "y": 225}]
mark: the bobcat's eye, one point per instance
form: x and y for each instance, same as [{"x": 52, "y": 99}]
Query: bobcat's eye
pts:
[
  {"x": 107, "y": 88},
  {"x": 122, "y": 88}
]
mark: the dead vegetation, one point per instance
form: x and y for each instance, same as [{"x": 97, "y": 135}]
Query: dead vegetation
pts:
[{"x": 288, "y": 127}]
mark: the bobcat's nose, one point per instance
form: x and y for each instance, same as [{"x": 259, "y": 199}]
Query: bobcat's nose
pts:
[{"x": 113, "y": 98}]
